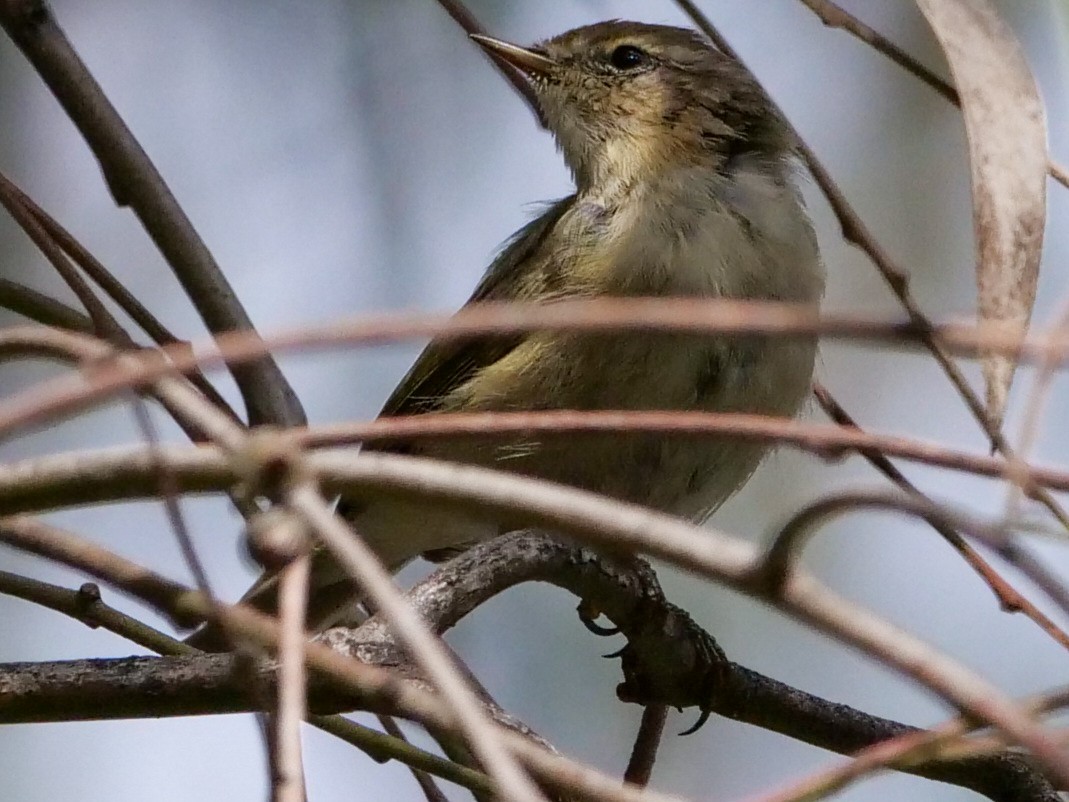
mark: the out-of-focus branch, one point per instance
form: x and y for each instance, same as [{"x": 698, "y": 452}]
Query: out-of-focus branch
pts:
[
  {"x": 288, "y": 785},
  {"x": 613, "y": 525},
  {"x": 68, "y": 394},
  {"x": 360, "y": 562},
  {"x": 783, "y": 552},
  {"x": 126, "y": 473},
  {"x": 85, "y": 605},
  {"x": 135, "y": 182},
  {"x": 1009, "y": 597}
]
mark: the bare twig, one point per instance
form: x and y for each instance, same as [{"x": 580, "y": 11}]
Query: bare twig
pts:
[
  {"x": 1009, "y": 597},
  {"x": 104, "y": 324},
  {"x": 99, "y": 274},
  {"x": 42, "y": 308},
  {"x": 135, "y": 182},
  {"x": 644, "y": 752},
  {"x": 677, "y": 315},
  {"x": 907, "y": 750},
  {"x": 167, "y": 489},
  {"x": 817, "y": 439},
  {"x": 803, "y": 524},
  {"x": 466, "y": 20},
  {"x": 86, "y": 606},
  {"x": 209, "y": 685},
  {"x": 425, "y": 781},
  {"x": 834, "y": 16},
  {"x": 125, "y": 473},
  {"x": 616, "y": 525},
  {"x": 376, "y": 689},
  {"x": 421, "y": 762}
]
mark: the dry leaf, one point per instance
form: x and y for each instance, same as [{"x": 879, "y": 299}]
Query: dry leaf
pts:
[{"x": 1007, "y": 131}]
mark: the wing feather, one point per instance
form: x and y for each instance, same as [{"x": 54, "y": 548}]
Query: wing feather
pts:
[{"x": 446, "y": 364}]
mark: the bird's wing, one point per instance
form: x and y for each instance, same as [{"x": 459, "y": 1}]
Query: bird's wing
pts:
[{"x": 446, "y": 364}]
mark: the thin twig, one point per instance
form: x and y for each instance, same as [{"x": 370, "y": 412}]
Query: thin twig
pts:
[
  {"x": 127, "y": 473},
  {"x": 616, "y": 525},
  {"x": 425, "y": 781},
  {"x": 910, "y": 749},
  {"x": 856, "y": 232},
  {"x": 41, "y": 308},
  {"x": 745, "y": 697},
  {"x": 86, "y": 606},
  {"x": 818, "y": 439},
  {"x": 834, "y": 16},
  {"x": 380, "y": 688},
  {"x": 103, "y": 278},
  {"x": 1011, "y": 599},
  {"x": 104, "y": 324},
  {"x": 466, "y": 20},
  {"x": 168, "y": 492},
  {"x": 647, "y": 740},
  {"x": 134, "y": 181},
  {"x": 421, "y": 762},
  {"x": 678, "y": 315}
]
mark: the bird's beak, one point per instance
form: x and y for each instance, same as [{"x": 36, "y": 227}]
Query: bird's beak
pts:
[{"x": 526, "y": 61}]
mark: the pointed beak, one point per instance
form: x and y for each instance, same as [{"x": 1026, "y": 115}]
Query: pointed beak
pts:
[{"x": 526, "y": 61}]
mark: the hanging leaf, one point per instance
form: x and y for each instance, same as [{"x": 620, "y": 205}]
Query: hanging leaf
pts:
[{"x": 1006, "y": 128}]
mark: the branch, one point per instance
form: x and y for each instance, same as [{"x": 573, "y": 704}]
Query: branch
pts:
[
  {"x": 615, "y": 525},
  {"x": 666, "y": 653},
  {"x": 40, "y": 224},
  {"x": 373, "y": 579},
  {"x": 377, "y": 689},
  {"x": 85, "y": 605},
  {"x": 44, "y": 309},
  {"x": 134, "y": 181}
]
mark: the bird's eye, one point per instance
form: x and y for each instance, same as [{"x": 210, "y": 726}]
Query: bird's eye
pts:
[{"x": 627, "y": 57}]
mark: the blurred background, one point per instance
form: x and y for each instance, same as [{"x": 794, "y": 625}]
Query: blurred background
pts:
[{"x": 350, "y": 156}]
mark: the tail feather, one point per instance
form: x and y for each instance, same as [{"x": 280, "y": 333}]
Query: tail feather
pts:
[{"x": 396, "y": 532}]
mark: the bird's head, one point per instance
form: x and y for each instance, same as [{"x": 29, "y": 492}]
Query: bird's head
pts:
[{"x": 625, "y": 99}]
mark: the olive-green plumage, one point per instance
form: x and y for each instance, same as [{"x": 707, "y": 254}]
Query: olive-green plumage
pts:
[{"x": 683, "y": 174}]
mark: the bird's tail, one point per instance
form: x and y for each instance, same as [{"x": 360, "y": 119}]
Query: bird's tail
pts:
[{"x": 396, "y": 531}]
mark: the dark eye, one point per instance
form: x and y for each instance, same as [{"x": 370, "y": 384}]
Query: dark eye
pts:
[{"x": 627, "y": 57}]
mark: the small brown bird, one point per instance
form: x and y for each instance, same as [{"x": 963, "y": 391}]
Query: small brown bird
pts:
[{"x": 684, "y": 187}]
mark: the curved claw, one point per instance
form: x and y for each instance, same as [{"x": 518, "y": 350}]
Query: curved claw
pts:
[
  {"x": 598, "y": 629},
  {"x": 587, "y": 616},
  {"x": 704, "y": 717}
]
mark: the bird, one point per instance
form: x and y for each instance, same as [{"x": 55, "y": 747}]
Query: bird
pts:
[{"x": 686, "y": 185}]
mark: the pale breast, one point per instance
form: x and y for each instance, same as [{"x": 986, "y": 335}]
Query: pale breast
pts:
[{"x": 686, "y": 235}]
